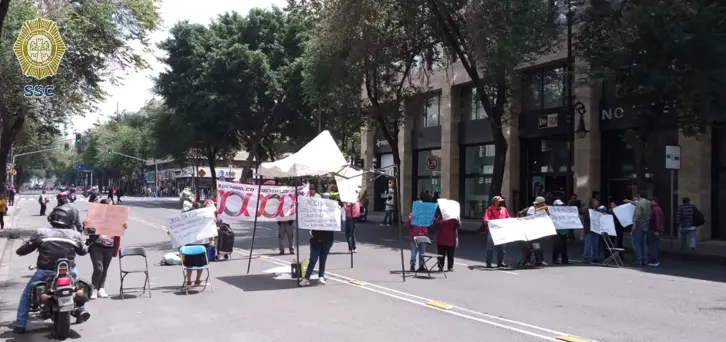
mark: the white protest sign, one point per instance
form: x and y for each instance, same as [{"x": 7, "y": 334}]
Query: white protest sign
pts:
[
  {"x": 318, "y": 214},
  {"x": 602, "y": 223},
  {"x": 349, "y": 182},
  {"x": 565, "y": 217},
  {"x": 537, "y": 227},
  {"x": 624, "y": 213},
  {"x": 528, "y": 228},
  {"x": 192, "y": 226},
  {"x": 450, "y": 209}
]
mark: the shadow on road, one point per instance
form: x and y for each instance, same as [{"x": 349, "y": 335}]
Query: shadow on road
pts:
[{"x": 259, "y": 282}]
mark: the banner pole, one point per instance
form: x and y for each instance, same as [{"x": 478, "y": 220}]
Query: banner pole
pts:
[
  {"x": 297, "y": 237},
  {"x": 398, "y": 217},
  {"x": 254, "y": 226}
]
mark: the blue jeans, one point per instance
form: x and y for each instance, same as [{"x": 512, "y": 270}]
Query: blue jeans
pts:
[
  {"x": 318, "y": 252},
  {"x": 490, "y": 248},
  {"x": 592, "y": 244},
  {"x": 420, "y": 250},
  {"x": 350, "y": 232},
  {"x": 640, "y": 245},
  {"x": 688, "y": 235},
  {"x": 24, "y": 305},
  {"x": 653, "y": 247},
  {"x": 388, "y": 217}
]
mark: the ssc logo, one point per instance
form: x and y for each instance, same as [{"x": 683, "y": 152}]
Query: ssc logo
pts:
[{"x": 39, "y": 48}]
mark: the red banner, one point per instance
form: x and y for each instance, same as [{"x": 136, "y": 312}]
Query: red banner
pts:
[{"x": 239, "y": 201}]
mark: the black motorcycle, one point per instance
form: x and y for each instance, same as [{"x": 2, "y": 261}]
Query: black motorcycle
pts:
[
  {"x": 72, "y": 195},
  {"x": 59, "y": 297}
]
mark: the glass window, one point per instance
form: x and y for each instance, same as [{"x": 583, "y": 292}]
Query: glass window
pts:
[
  {"x": 549, "y": 156},
  {"x": 479, "y": 160},
  {"x": 553, "y": 88},
  {"x": 532, "y": 92},
  {"x": 430, "y": 184},
  {"x": 477, "y": 110},
  {"x": 431, "y": 116},
  {"x": 476, "y": 195},
  {"x": 422, "y": 169}
]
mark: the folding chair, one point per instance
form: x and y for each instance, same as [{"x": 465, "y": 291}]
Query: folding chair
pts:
[
  {"x": 425, "y": 241},
  {"x": 138, "y": 252},
  {"x": 195, "y": 250},
  {"x": 614, "y": 257}
]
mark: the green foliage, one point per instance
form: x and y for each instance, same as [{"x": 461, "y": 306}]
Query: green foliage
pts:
[{"x": 665, "y": 58}]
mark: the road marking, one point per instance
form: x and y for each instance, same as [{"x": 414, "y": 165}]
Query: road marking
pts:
[
  {"x": 440, "y": 305},
  {"x": 357, "y": 282},
  {"x": 570, "y": 338}
]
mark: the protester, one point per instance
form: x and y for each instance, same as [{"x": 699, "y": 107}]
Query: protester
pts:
[
  {"x": 641, "y": 226},
  {"x": 559, "y": 242},
  {"x": 351, "y": 212},
  {"x": 447, "y": 239},
  {"x": 43, "y": 201},
  {"x": 197, "y": 260},
  {"x": 284, "y": 229},
  {"x": 656, "y": 225},
  {"x": 414, "y": 231},
  {"x": 539, "y": 207},
  {"x": 3, "y": 210},
  {"x": 591, "y": 253},
  {"x": 495, "y": 211},
  {"x": 619, "y": 231},
  {"x": 686, "y": 218},
  {"x": 390, "y": 204},
  {"x": 102, "y": 248},
  {"x": 321, "y": 241}
]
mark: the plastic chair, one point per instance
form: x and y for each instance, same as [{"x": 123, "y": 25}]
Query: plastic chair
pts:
[
  {"x": 195, "y": 250},
  {"x": 425, "y": 241},
  {"x": 138, "y": 252}
]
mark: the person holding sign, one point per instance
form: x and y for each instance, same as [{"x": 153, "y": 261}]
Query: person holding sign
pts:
[
  {"x": 414, "y": 231},
  {"x": 591, "y": 252},
  {"x": 447, "y": 239},
  {"x": 102, "y": 248},
  {"x": 495, "y": 211},
  {"x": 538, "y": 208},
  {"x": 560, "y": 242},
  {"x": 197, "y": 260}
]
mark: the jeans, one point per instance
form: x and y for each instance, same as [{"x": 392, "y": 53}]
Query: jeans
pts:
[
  {"x": 388, "y": 217},
  {"x": 284, "y": 230},
  {"x": 592, "y": 251},
  {"x": 318, "y": 252},
  {"x": 420, "y": 250},
  {"x": 490, "y": 248},
  {"x": 350, "y": 233},
  {"x": 101, "y": 257},
  {"x": 640, "y": 245},
  {"x": 24, "y": 305},
  {"x": 653, "y": 247},
  {"x": 688, "y": 235}
]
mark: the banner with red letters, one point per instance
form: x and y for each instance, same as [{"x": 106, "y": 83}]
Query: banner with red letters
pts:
[{"x": 276, "y": 203}]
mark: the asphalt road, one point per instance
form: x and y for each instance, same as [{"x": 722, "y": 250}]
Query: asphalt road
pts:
[{"x": 675, "y": 302}]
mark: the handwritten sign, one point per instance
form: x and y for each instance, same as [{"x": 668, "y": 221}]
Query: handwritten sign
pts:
[
  {"x": 565, "y": 217},
  {"x": 450, "y": 209},
  {"x": 527, "y": 228},
  {"x": 318, "y": 214},
  {"x": 423, "y": 213},
  {"x": 192, "y": 226},
  {"x": 107, "y": 219},
  {"x": 602, "y": 223},
  {"x": 624, "y": 213}
]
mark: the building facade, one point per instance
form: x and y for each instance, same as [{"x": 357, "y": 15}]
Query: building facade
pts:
[{"x": 446, "y": 146}]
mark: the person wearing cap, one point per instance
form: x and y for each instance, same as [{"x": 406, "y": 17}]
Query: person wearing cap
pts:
[
  {"x": 495, "y": 211},
  {"x": 559, "y": 242},
  {"x": 538, "y": 208}
]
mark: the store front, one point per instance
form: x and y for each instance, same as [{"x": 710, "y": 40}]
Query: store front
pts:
[{"x": 718, "y": 185}]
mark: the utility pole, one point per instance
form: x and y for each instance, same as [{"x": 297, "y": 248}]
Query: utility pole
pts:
[{"x": 569, "y": 107}]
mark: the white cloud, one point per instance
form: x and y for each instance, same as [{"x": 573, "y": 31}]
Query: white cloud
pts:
[{"x": 135, "y": 89}]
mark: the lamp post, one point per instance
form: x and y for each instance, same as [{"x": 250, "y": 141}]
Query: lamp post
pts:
[{"x": 569, "y": 70}]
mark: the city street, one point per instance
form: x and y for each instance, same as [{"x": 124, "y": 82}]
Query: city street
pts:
[{"x": 677, "y": 301}]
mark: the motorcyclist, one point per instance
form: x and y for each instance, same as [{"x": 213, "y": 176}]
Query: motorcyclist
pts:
[
  {"x": 94, "y": 194},
  {"x": 64, "y": 202},
  {"x": 49, "y": 252}
]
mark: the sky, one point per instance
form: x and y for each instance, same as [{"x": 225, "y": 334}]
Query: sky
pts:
[{"x": 135, "y": 89}]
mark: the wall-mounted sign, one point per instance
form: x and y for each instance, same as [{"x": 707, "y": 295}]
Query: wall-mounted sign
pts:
[
  {"x": 380, "y": 142},
  {"x": 612, "y": 113},
  {"x": 547, "y": 121}
]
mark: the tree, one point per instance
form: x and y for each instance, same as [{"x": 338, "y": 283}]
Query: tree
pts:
[
  {"x": 97, "y": 36},
  {"x": 666, "y": 60}
]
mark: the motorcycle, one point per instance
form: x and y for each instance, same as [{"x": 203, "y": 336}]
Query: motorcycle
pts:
[
  {"x": 59, "y": 297},
  {"x": 72, "y": 196}
]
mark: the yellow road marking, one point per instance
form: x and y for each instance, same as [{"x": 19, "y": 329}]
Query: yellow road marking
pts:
[
  {"x": 570, "y": 338},
  {"x": 440, "y": 305},
  {"x": 357, "y": 282}
]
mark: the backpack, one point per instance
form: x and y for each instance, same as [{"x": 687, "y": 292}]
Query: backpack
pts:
[{"x": 698, "y": 219}]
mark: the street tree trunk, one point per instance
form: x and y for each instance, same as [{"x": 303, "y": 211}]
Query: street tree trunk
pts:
[
  {"x": 4, "y": 6},
  {"x": 11, "y": 127},
  {"x": 212, "y": 160}
]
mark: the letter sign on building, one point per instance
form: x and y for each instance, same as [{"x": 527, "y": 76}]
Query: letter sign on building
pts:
[{"x": 613, "y": 113}]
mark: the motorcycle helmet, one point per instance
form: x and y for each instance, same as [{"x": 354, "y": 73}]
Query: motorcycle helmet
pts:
[
  {"x": 60, "y": 218},
  {"x": 62, "y": 198}
]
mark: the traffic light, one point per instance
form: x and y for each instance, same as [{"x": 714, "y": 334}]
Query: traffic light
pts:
[
  {"x": 66, "y": 146},
  {"x": 110, "y": 152},
  {"x": 78, "y": 138}
]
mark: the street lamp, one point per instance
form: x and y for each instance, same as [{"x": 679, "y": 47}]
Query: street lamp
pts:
[{"x": 581, "y": 129}]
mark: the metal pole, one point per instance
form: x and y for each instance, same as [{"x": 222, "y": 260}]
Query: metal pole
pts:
[
  {"x": 397, "y": 206},
  {"x": 568, "y": 102},
  {"x": 297, "y": 237},
  {"x": 156, "y": 178},
  {"x": 254, "y": 225},
  {"x": 673, "y": 206}
]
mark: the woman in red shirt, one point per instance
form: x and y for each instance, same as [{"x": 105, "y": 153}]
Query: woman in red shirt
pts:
[
  {"x": 447, "y": 240},
  {"x": 495, "y": 211}
]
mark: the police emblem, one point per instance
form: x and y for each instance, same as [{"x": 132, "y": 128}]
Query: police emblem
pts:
[{"x": 39, "y": 48}]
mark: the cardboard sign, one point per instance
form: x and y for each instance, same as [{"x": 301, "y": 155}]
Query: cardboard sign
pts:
[
  {"x": 192, "y": 226},
  {"x": 423, "y": 213},
  {"x": 624, "y": 213},
  {"x": 602, "y": 223},
  {"x": 528, "y": 228},
  {"x": 450, "y": 209},
  {"x": 565, "y": 217},
  {"x": 318, "y": 214},
  {"x": 107, "y": 219}
]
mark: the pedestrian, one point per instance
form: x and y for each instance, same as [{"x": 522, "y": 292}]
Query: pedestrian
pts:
[
  {"x": 321, "y": 241},
  {"x": 363, "y": 199},
  {"x": 284, "y": 229},
  {"x": 538, "y": 208},
  {"x": 388, "y": 216},
  {"x": 43, "y": 201},
  {"x": 435, "y": 198},
  {"x": 3, "y": 210},
  {"x": 656, "y": 228},
  {"x": 495, "y": 211},
  {"x": 352, "y": 212},
  {"x": 559, "y": 242},
  {"x": 11, "y": 196},
  {"x": 447, "y": 239},
  {"x": 591, "y": 253},
  {"x": 416, "y": 250},
  {"x": 688, "y": 218},
  {"x": 102, "y": 248},
  {"x": 641, "y": 226},
  {"x": 111, "y": 192},
  {"x": 118, "y": 195}
]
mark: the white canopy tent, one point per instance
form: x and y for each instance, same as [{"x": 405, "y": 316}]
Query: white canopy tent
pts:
[{"x": 321, "y": 156}]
